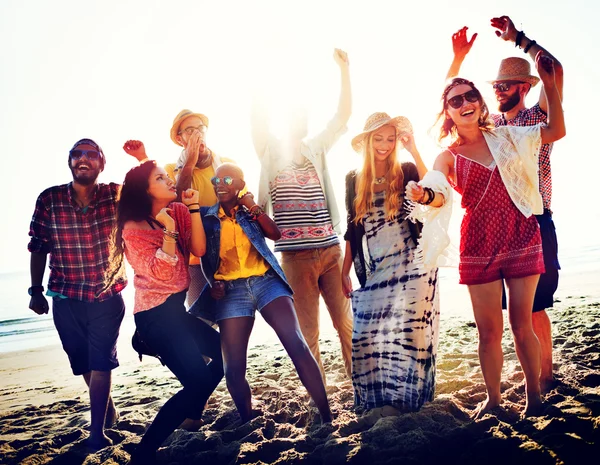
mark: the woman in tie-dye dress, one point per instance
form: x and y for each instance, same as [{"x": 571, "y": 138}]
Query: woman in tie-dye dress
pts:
[{"x": 396, "y": 312}]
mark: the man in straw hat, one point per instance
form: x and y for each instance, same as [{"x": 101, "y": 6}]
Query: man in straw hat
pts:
[
  {"x": 194, "y": 168},
  {"x": 73, "y": 224},
  {"x": 511, "y": 86},
  {"x": 295, "y": 184}
]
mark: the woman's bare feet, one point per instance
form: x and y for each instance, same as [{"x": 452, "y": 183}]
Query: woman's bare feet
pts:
[
  {"x": 484, "y": 407},
  {"x": 533, "y": 406}
]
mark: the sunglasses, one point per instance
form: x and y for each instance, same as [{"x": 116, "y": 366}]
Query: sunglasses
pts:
[
  {"x": 227, "y": 180},
  {"x": 90, "y": 154},
  {"x": 457, "y": 101},
  {"x": 189, "y": 131},
  {"x": 504, "y": 86}
]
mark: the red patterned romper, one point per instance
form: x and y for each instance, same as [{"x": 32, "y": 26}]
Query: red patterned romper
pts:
[{"x": 496, "y": 240}]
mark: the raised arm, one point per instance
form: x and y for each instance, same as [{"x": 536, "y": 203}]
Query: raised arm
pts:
[
  {"x": 344, "y": 109},
  {"x": 555, "y": 126},
  {"x": 191, "y": 198},
  {"x": 194, "y": 148},
  {"x": 259, "y": 123},
  {"x": 506, "y": 30},
  {"x": 409, "y": 144},
  {"x": 461, "y": 46}
]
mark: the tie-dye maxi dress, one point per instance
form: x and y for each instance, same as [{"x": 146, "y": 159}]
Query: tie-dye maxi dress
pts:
[{"x": 396, "y": 320}]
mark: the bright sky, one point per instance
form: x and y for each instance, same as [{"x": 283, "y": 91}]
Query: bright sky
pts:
[{"x": 114, "y": 70}]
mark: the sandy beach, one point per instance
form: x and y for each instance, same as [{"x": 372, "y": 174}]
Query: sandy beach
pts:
[{"x": 45, "y": 409}]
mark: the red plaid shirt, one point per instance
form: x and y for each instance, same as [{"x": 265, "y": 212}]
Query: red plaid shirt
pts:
[
  {"x": 78, "y": 242},
  {"x": 530, "y": 117}
]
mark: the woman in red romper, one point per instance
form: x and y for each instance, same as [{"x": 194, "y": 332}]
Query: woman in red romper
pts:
[{"x": 500, "y": 237}]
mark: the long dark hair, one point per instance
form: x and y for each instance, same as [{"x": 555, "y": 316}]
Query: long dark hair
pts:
[
  {"x": 134, "y": 204},
  {"x": 447, "y": 127}
]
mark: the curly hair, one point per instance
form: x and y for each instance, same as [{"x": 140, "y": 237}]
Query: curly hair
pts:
[{"x": 445, "y": 126}]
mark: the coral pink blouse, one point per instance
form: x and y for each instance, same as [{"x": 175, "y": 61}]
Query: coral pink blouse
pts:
[{"x": 158, "y": 275}]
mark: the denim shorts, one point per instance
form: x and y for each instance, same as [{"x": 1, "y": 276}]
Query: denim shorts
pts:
[{"x": 244, "y": 296}]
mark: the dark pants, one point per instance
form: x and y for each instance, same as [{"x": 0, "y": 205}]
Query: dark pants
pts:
[{"x": 181, "y": 340}]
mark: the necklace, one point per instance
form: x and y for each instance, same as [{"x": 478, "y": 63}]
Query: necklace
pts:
[{"x": 380, "y": 180}]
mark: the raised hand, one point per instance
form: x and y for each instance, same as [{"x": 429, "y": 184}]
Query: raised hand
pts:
[
  {"x": 545, "y": 67},
  {"x": 340, "y": 57},
  {"x": 195, "y": 146},
  {"x": 413, "y": 191},
  {"x": 408, "y": 140},
  {"x": 190, "y": 196},
  {"x": 165, "y": 219},
  {"x": 247, "y": 200},
  {"x": 505, "y": 29},
  {"x": 461, "y": 45},
  {"x": 38, "y": 303},
  {"x": 136, "y": 149}
]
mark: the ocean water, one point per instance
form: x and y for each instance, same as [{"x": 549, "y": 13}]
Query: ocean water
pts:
[{"x": 22, "y": 329}]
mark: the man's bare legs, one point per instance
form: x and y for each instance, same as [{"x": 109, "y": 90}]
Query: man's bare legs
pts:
[{"x": 101, "y": 404}]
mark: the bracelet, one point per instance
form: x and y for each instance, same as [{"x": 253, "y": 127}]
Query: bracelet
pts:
[
  {"x": 431, "y": 196},
  {"x": 529, "y": 45},
  {"x": 256, "y": 211},
  {"x": 171, "y": 234},
  {"x": 519, "y": 38},
  {"x": 169, "y": 240},
  {"x": 195, "y": 210},
  {"x": 190, "y": 204}
]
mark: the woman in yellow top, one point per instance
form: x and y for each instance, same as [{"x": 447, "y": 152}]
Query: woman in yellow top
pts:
[{"x": 244, "y": 276}]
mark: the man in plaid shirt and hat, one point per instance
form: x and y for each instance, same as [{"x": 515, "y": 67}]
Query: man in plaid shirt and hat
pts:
[
  {"x": 511, "y": 86},
  {"x": 73, "y": 223}
]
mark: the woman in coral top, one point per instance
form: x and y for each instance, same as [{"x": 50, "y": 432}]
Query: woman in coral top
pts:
[
  {"x": 157, "y": 235},
  {"x": 495, "y": 171}
]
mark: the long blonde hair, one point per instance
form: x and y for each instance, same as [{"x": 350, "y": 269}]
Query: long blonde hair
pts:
[{"x": 366, "y": 180}]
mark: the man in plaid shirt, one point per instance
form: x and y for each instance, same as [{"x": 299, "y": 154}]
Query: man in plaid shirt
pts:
[
  {"x": 511, "y": 87},
  {"x": 73, "y": 223}
]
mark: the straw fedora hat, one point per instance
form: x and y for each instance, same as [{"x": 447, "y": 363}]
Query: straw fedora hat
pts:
[
  {"x": 377, "y": 120},
  {"x": 515, "y": 69},
  {"x": 183, "y": 114}
]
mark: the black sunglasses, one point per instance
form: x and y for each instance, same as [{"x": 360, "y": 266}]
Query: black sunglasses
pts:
[
  {"x": 90, "y": 154},
  {"x": 504, "y": 86},
  {"x": 457, "y": 101},
  {"x": 227, "y": 180}
]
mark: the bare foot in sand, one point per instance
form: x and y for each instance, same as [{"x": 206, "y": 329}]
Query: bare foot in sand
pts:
[
  {"x": 533, "y": 407},
  {"x": 98, "y": 442},
  {"x": 112, "y": 416},
  {"x": 483, "y": 408},
  {"x": 547, "y": 385}
]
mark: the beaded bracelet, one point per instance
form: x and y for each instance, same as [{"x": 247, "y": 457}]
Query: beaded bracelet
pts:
[
  {"x": 171, "y": 234},
  {"x": 256, "y": 211}
]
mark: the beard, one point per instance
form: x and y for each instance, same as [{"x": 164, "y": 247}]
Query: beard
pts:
[
  {"x": 510, "y": 103},
  {"x": 85, "y": 178}
]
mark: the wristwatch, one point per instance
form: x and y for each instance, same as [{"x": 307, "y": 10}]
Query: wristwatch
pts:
[{"x": 34, "y": 289}]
